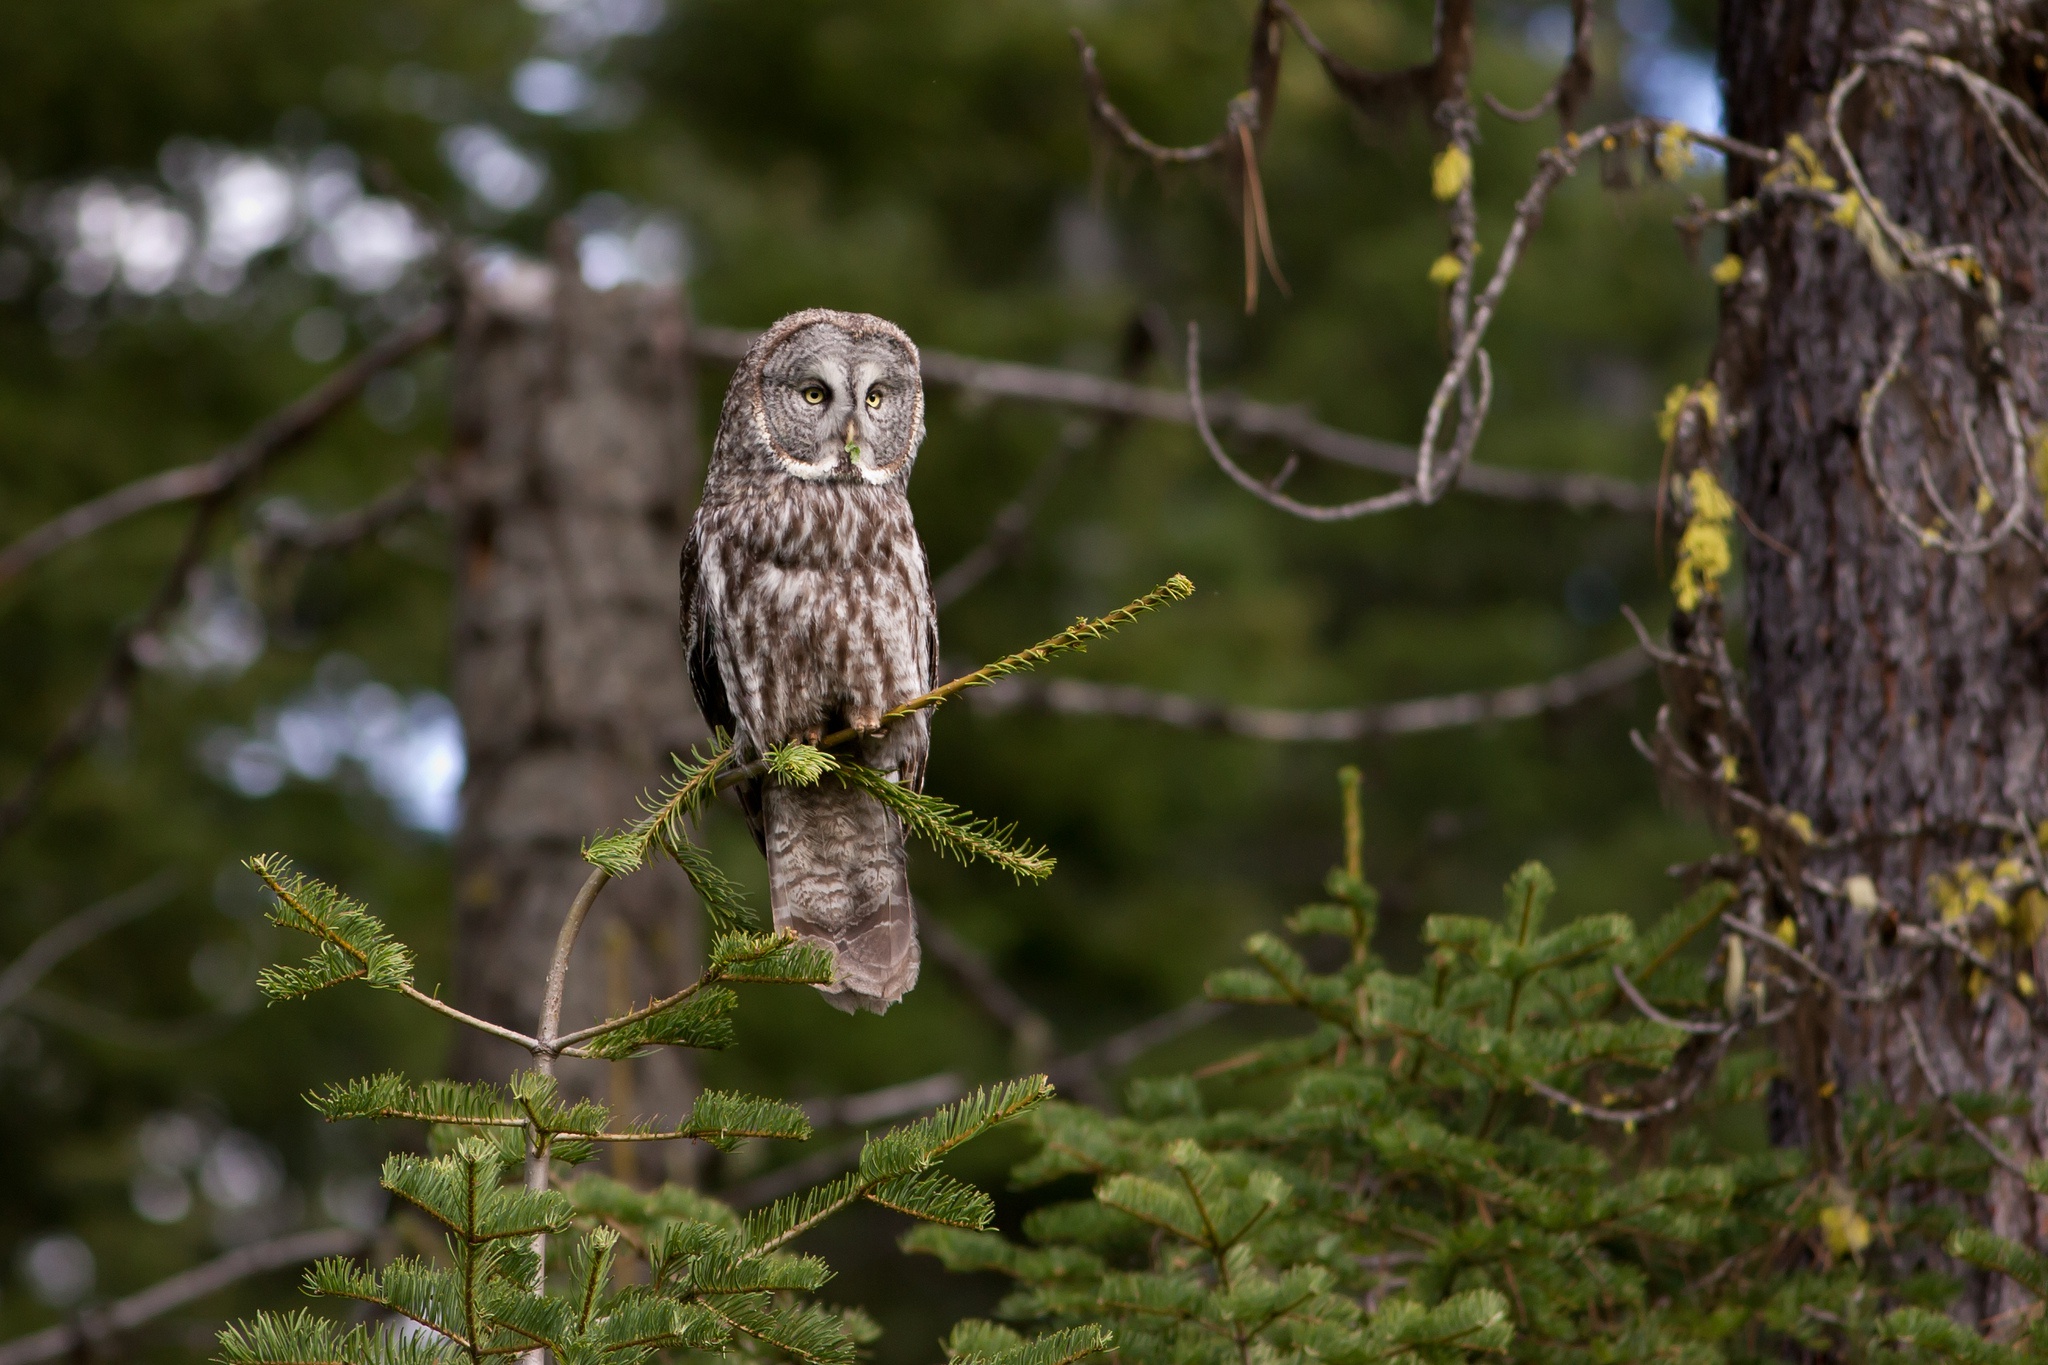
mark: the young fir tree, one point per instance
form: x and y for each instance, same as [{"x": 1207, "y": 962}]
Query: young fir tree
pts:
[
  {"x": 1511, "y": 1151},
  {"x": 531, "y": 1247}
]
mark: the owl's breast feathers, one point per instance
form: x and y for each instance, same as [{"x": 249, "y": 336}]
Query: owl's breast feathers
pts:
[{"x": 808, "y": 609}]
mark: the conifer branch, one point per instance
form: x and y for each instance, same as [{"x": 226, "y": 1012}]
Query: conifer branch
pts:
[
  {"x": 940, "y": 822},
  {"x": 1074, "y": 639},
  {"x": 895, "y": 1167}
]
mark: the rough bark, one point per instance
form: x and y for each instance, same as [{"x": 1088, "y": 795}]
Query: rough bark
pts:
[
  {"x": 1890, "y": 684},
  {"x": 573, "y": 463}
]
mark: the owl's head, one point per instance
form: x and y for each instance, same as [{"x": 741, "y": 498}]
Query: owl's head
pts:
[{"x": 834, "y": 397}]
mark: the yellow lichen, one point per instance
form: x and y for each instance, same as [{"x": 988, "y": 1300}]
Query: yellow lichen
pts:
[
  {"x": 1450, "y": 173},
  {"x": 1861, "y": 891},
  {"x": 1800, "y": 825},
  {"x": 1704, "y": 555},
  {"x": 2030, "y": 915},
  {"x": 1803, "y": 167},
  {"x": 1846, "y": 1231},
  {"x": 1788, "y": 932},
  {"x": 1730, "y": 769},
  {"x": 1747, "y": 839},
  {"x": 1727, "y": 270},
  {"x": 1674, "y": 150},
  {"x": 1445, "y": 270},
  {"x": 1846, "y": 209}
]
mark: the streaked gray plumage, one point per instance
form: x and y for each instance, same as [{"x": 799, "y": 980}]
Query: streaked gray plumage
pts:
[{"x": 807, "y": 608}]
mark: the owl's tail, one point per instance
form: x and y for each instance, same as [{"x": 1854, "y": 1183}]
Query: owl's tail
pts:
[{"x": 838, "y": 876}]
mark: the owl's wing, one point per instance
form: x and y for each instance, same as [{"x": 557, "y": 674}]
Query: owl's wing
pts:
[
  {"x": 707, "y": 681},
  {"x": 911, "y": 773}
]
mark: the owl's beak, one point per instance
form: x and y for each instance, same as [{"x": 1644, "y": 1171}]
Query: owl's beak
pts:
[{"x": 852, "y": 441}]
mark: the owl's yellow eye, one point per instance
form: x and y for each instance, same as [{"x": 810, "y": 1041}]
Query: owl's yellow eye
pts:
[
  {"x": 874, "y": 398},
  {"x": 814, "y": 394}
]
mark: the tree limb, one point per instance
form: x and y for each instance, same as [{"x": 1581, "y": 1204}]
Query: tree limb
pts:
[
  {"x": 1031, "y": 1033},
  {"x": 237, "y": 466},
  {"x": 1074, "y": 697},
  {"x": 87, "y": 1330},
  {"x": 73, "y": 932},
  {"x": 236, "y": 463},
  {"x": 1248, "y": 417}
]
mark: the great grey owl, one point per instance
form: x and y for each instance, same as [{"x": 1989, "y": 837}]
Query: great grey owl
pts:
[{"x": 807, "y": 609}]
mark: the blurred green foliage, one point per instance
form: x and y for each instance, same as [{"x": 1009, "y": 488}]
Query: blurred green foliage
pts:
[{"x": 930, "y": 161}]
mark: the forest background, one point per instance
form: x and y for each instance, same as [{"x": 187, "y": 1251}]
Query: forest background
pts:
[{"x": 208, "y": 204}]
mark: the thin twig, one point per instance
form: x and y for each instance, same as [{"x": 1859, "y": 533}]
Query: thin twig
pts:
[
  {"x": 73, "y": 932},
  {"x": 887, "y": 1104},
  {"x": 120, "y": 1030},
  {"x": 1006, "y": 532},
  {"x": 1031, "y": 1033},
  {"x": 1074, "y": 697},
  {"x": 1977, "y": 1134},
  {"x": 280, "y": 533},
  {"x": 440, "y": 1006},
  {"x": 123, "y": 1315},
  {"x": 1655, "y": 1015},
  {"x": 1405, "y": 496}
]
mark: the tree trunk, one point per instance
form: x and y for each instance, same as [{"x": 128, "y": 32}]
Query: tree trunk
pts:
[
  {"x": 574, "y": 462},
  {"x": 1892, "y": 687}
]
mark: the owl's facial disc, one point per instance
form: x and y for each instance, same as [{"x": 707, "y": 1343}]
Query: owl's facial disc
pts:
[{"x": 839, "y": 408}]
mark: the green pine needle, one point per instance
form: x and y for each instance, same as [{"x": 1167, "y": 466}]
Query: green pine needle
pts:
[{"x": 354, "y": 944}]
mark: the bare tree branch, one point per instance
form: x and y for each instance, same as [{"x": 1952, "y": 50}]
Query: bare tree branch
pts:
[
  {"x": 74, "y": 931},
  {"x": 240, "y": 464},
  {"x": 90, "y": 1330},
  {"x": 1991, "y": 1146},
  {"x": 121, "y": 1030},
  {"x": 1248, "y": 417},
  {"x": 233, "y": 465},
  {"x": 1006, "y": 532},
  {"x": 888, "y": 1103},
  {"x": 288, "y": 530},
  {"x": 1074, "y": 697},
  {"x": 1031, "y": 1033}
]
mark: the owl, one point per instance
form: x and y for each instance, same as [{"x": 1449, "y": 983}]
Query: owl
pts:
[{"x": 807, "y": 609}]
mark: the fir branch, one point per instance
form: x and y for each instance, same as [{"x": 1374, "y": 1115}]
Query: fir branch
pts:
[
  {"x": 1063, "y": 1347},
  {"x": 949, "y": 829},
  {"x": 389, "y": 1095},
  {"x": 299, "y": 1338},
  {"x": 808, "y": 1332},
  {"x": 665, "y": 827},
  {"x": 1074, "y": 639},
  {"x": 899, "y": 1153},
  {"x": 737, "y": 956},
  {"x": 699, "y": 1021},
  {"x": 354, "y": 946}
]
